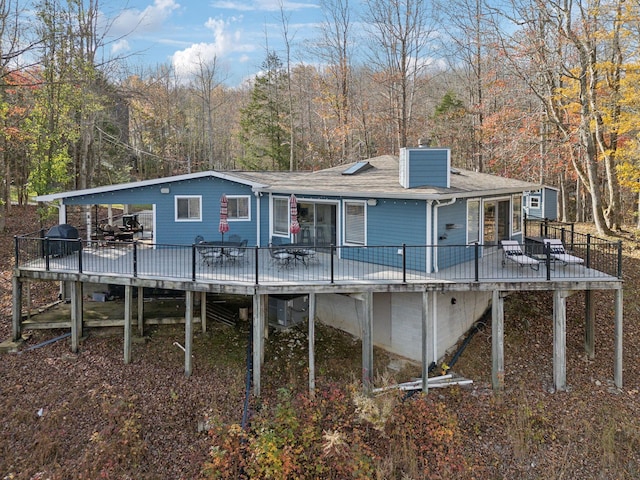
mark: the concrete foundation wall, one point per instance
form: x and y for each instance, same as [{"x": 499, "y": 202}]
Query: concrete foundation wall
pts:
[{"x": 455, "y": 314}]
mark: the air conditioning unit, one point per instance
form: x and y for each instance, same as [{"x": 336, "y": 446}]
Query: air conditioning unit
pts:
[{"x": 288, "y": 310}]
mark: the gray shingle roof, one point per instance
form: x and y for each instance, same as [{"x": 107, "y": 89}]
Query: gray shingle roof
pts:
[{"x": 382, "y": 181}]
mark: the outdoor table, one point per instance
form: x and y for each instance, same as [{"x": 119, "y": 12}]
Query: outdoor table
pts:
[{"x": 300, "y": 252}]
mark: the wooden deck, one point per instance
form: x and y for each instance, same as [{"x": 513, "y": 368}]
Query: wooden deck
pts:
[{"x": 180, "y": 267}]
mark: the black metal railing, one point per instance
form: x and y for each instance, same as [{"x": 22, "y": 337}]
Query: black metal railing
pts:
[{"x": 594, "y": 259}]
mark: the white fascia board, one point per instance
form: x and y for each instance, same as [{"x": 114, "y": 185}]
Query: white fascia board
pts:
[{"x": 145, "y": 183}]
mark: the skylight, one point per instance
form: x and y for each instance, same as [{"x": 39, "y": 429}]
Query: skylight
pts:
[{"x": 357, "y": 167}]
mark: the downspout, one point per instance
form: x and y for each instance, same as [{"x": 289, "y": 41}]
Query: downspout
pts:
[
  {"x": 429, "y": 235},
  {"x": 257, "y": 195},
  {"x": 435, "y": 230}
]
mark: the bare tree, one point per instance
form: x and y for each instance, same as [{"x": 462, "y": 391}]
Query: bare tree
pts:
[
  {"x": 401, "y": 37},
  {"x": 209, "y": 78}
]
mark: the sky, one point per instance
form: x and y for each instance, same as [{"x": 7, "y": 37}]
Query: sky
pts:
[{"x": 180, "y": 32}]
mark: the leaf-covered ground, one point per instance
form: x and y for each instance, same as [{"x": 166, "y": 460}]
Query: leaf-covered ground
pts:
[{"x": 68, "y": 416}]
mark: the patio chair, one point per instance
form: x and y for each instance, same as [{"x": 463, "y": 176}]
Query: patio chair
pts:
[
  {"x": 280, "y": 256},
  {"x": 237, "y": 253},
  {"x": 559, "y": 254},
  {"x": 512, "y": 252},
  {"x": 208, "y": 254}
]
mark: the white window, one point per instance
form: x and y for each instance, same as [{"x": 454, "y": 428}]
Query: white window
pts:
[
  {"x": 517, "y": 214},
  {"x": 534, "y": 202},
  {"x": 473, "y": 221},
  {"x": 354, "y": 223},
  {"x": 281, "y": 216},
  {"x": 238, "y": 207},
  {"x": 188, "y": 208}
]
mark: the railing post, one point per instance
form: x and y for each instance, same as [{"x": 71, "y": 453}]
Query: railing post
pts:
[
  {"x": 135, "y": 259},
  {"x": 525, "y": 224},
  {"x": 547, "y": 260},
  {"x": 332, "y": 251},
  {"x": 573, "y": 232},
  {"x": 404, "y": 263},
  {"x": 562, "y": 237},
  {"x": 193, "y": 262},
  {"x": 620, "y": 259},
  {"x": 257, "y": 256},
  {"x": 80, "y": 255},
  {"x": 16, "y": 251},
  {"x": 476, "y": 260},
  {"x": 46, "y": 253},
  {"x": 588, "y": 261},
  {"x": 41, "y": 242}
]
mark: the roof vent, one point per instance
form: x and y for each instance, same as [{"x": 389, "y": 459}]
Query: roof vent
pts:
[{"x": 357, "y": 167}]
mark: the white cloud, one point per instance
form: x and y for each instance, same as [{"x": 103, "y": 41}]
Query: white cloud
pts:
[
  {"x": 121, "y": 46},
  {"x": 150, "y": 19},
  {"x": 225, "y": 42}
]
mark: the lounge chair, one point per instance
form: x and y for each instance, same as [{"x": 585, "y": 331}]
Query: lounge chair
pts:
[
  {"x": 559, "y": 254},
  {"x": 512, "y": 252}
]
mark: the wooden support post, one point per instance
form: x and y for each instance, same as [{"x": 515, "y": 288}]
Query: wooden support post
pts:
[
  {"x": 312, "y": 340},
  {"x": 203, "y": 311},
  {"x": 617, "y": 368},
  {"x": 76, "y": 315},
  {"x": 141, "y": 311},
  {"x": 16, "y": 311},
  {"x": 589, "y": 325},
  {"x": 188, "y": 333},
  {"x": 27, "y": 284},
  {"x": 497, "y": 341},
  {"x": 128, "y": 301},
  {"x": 560, "y": 339},
  {"x": 367, "y": 341},
  {"x": 80, "y": 310},
  {"x": 427, "y": 331},
  {"x": 258, "y": 345}
]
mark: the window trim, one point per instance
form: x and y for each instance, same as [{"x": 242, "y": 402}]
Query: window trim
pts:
[
  {"x": 478, "y": 220},
  {"x": 239, "y": 219},
  {"x": 287, "y": 215},
  {"x": 187, "y": 197},
  {"x": 345, "y": 204},
  {"x": 537, "y": 199},
  {"x": 516, "y": 228}
]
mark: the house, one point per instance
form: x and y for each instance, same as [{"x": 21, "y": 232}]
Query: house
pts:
[
  {"x": 407, "y": 248},
  {"x": 541, "y": 203}
]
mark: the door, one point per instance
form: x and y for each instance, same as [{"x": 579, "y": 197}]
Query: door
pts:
[
  {"x": 317, "y": 223},
  {"x": 496, "y": 218}
]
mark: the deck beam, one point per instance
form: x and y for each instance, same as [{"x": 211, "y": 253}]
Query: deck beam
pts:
[
  {"x": 16, "y": 322},
  {"x": 128, "y": 301},
  {"x": 312, "y": 340},
  {"x": 258, "y": 339},
  {"x": 618, "y": 337},
  {"x": 76, "y": 315},
  {"x": 497, "y": 341},
  {"x": 140, "y": 311},
  {"x": 427, "y": 333},
  {"x": 560, "y": 339},
  {"x": 367, "y": 340},
  {"x": 188, "y": 334}
]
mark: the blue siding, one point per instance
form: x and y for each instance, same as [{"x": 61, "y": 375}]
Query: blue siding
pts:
[
  {"x": 428, "y": 167},
  {"x": 167, "y": 229},
  {"x": 452, "y": 248},
  {"x": 550, "y": 203},
  {"x": 392, "y": 223}
]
